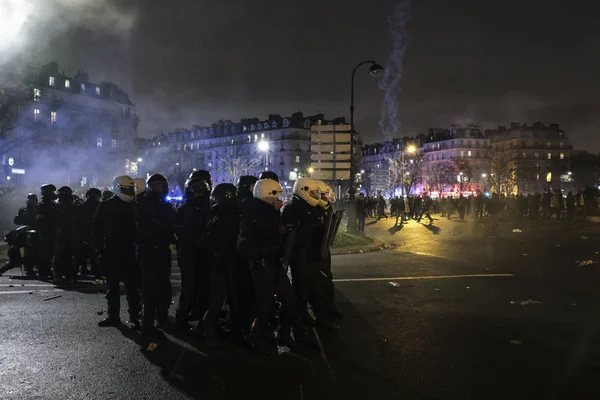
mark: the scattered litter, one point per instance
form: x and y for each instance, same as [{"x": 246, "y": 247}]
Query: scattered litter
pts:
[
  {"x": 525, "y": 254},
  {"x": 152, "y": 346},
  {"x": 573, "y": 304},
  {"x": 468, "y": 287},
  {"x": 395, "y": 284},
  {"x": 585, "y": 262},
  {"x": 22, "y": 284},
  {"x": 515, "y": 341},
  {"x": 100, "y": 312},
  {"x": 529, "y": 301},
  {"x": 558, "y": 245},
  {"x": 513, "y": 302},
  {"x": 53, "y": 297},
  {"x": 282, "y": 350},
  {"x": 436, "y": 289},
  {"x": 11, "y": 285},
  {"x": 360, "y": 251},
  {"x": 517, "y": 231},
  {"x": 30, "y": 293},
  {"x": 583, "y": 237}
]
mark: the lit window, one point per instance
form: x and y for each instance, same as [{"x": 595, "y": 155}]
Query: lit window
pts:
[
  {"x": 462, "y": 153},
  {"x": 231, "y": 141},
  {"x": 185, "y": 147},
  {"x": 262, "y": 135},
  {"x": 469, "y": 153},
  {"x": 99, "y": 142},
  {"x": 83, "y": 87},
  {"x": 51, "y": 81},
  {"x": 549, "y": 177},
  {"x": 524, "y": 155},
  {"x": 209, "y": 165},
  {"x": 562, "y": 156},
  {"x": 537, "y": 177},
  {"x": 37, "y": 94},
  {"x": 113, "y": 143},
  {"x": 537, "y": 155},
  {"x": 286, "y": 123},
  {"x": 98, "y": 91},
  {"x": 36, "y": 114},
  {"x": 297, "y": 159},
  {"x": 249, "y": 137},
  {"x": 256, "y": 138},
  {"x": 53, "y": 117},
  {"x": 67, "y": 84},
  {"x": 549, "y": 156},
  {"x": 560, "y": 144}
]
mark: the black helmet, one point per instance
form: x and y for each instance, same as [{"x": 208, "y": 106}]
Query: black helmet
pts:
[
  {"x": 196, "y": 187},
  {"x": 31, "y": 199},
  {"x": 202, "y": 175},
  {"x": 48, "y": 191},
  {"x": 269, "y": 175},
  {"x": 93, "y": 194},
  {"x": 65, "y": 194},
  {"x": 224, "y": 192},
  {"x": 157, "y": 184},
  {"x": 106, "y": 194},
  {"x": 246, "y": 182}
]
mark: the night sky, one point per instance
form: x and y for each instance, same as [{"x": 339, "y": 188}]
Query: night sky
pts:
[{"x": 468, "y": 61}]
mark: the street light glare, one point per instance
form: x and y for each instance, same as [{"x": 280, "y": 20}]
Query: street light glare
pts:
[
  {"x": 140, "y": 160},
  {"x": 263, "y": 146},
  {"x": 484, "y": 175},
  {"x": 311, "y": 170},
  {"x": 411, "y": 149}
]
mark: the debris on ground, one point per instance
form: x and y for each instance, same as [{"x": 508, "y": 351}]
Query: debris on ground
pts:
[
  {"x": 583, "y": 237},
  {"x": 436, "y": 289},
  {"x": 515, "y": 341},
  {"x": 100, "y": 312},
  {"x": 151, "y": 346},
  {"x": 526, "y": 302},
  {"x": 573, "y": 304},
  {"x": 525, "y": 254},
  {"x": 11, "y": 285},
  {"x": 585, "y": 262},
  {"x": 53, "y": 297},
  {"x": 394, "y": 284},
  {"x": 468, "y": 287},
  {"x": 517, "y": 231}
]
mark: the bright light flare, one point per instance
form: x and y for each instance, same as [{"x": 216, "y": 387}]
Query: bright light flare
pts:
[
  {"x": 263, "y": 146},
  {"x": 411, "y": 149}
]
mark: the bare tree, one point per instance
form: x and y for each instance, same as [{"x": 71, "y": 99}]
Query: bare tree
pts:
[
  {"x": 413, "y": 172},
  {"x": 464, "y": 172},
  {"x": 440, "y": 175},
  {"x": 235, "y": 161},
  {"x": 503, "y": 171}
]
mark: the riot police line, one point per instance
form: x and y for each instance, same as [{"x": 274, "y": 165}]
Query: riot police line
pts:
[{"x": 236, "y": 249}]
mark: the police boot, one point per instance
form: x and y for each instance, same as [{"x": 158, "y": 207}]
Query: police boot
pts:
[
  {"x": 134, "y": 323},
  {"x": 8, "y": 266},
  {"x": 110, "y": 321}
]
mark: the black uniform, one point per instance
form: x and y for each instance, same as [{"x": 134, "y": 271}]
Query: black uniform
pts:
[
  {"x": 28, "y": 239},
  {"x": 223, "y": 229},
  {"x": 243, "y": 283},
  {"x": 84, "y": 249},
  {"x": 324, "y": 296},
  {"x": 113, "y": 232},
  {"x": 193, "y": 258},
  {"x": 260, "y": 241},
  {"x": 46, "y": 229},
  {"x": 65, "y": 237},
  {"x": 155, "y": 222}
]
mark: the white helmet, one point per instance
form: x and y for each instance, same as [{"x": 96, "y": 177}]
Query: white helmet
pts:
[
  {"x": 308, "y": 190},
  {"x": 124, "y": 188},
  {"x": 140, "y": 185},
  {"x": 269, "y": 191},
  {"x": 327, "y": 196}
]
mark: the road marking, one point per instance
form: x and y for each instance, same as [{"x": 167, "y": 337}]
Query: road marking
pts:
[
  {"x": 31, "y": 291},
  {"x": 416, "y": 278},
  {"x": 420, "y": 253},
  {"x": 26, "y": 285}
]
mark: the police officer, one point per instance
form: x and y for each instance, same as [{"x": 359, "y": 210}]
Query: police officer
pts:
[
  {"x": 222, "y": 232},
  {"x": 84, "y": 215},
  {"x": 113, "y": 232},
  {"x": 65, "y": 235},
  {"x": 260, "y": 241},
  {"x": 46, "y": 229},
  {"x": 325, "y": 213},
  {"x": 140, "y": 186},
  {"x": 27, "y": 217},
  {"x": 155, "y": 221},
  {"x": 191, "y": 249},
  {"x": 269, "y": 175},
  {"x": 302, "y": 215},
  {"x": 245, "y": 186}
]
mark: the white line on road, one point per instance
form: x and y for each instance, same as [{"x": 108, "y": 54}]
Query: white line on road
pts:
[
  {"x": 31, "y": 291},
  {"x": 416, "y": 278},
  {"x": 26, "y": 285}
]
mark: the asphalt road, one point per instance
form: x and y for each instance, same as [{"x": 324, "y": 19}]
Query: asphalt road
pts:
[{"x": 455, "y": 311}]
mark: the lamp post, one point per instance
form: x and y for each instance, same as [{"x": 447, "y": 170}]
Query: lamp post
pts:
[
  {"x": 374, "y": 71},
  {"x": 263, "y": 145},
  {"x": 411, "y": 149}
]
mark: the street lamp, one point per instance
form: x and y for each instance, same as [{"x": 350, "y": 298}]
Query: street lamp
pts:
[
  {"x": 374, "y": 71},
  {"x": 484, "y": 175},
  {"x": 140, "y": 160},
  {"x": 311, "y": 170},
  {"x": 263, "y": 146},
  {"x": 410, "y": 149}
]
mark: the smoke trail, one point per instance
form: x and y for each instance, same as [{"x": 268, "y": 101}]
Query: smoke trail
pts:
[
  {"x": 389, "y": 120},
  {"x": 32, "y": 23}
]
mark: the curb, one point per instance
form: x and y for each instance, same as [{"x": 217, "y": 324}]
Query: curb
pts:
[{"x": 375, "y": 246}]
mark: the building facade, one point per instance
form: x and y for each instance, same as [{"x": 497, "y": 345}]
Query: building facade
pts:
[
  {"x": 230, "y": 149},
  {"x": 68, "y": 130}
]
